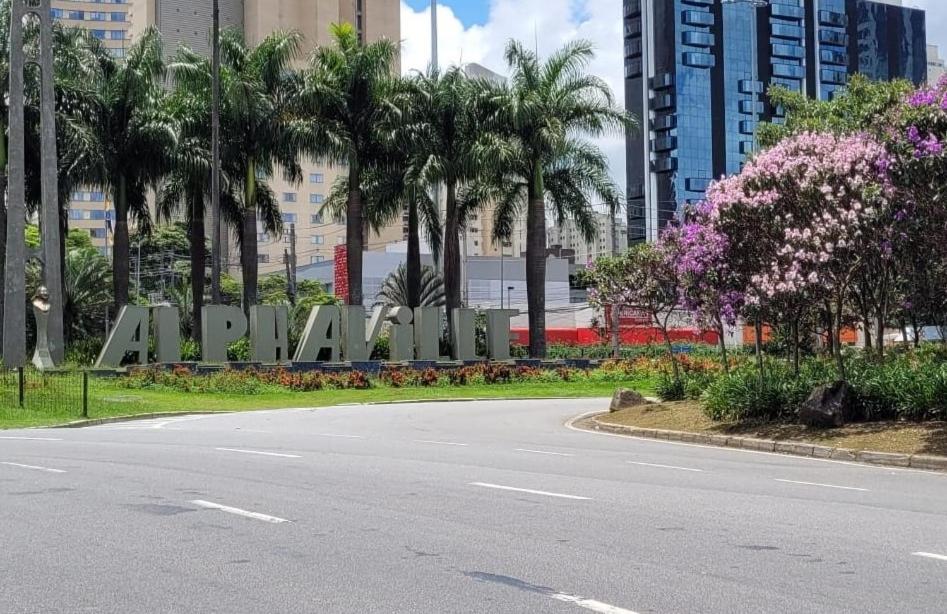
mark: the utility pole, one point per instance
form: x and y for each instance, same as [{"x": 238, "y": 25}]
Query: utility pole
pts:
[
  {"x": 290, "y": 291},
  {"x": 616, "y": 313},
  {"x": 215, "y": 229},
  {"x": 434, "y": 33},
  {"x": 292, "y": 261},
  {"x": 138, "y": 273}
]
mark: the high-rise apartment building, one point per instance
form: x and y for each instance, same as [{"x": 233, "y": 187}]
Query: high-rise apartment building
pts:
[
  {"x": 610, "y": 239},
  {"x": 188, "y": 22},
  {"x": 935, "y": 64},
  {"x": 697, "y": 71}
]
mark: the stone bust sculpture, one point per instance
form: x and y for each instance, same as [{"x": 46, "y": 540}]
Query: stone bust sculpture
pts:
[{"x": 42, "y": 359}]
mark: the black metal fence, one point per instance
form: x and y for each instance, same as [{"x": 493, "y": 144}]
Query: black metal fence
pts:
[{"x": 54, "y": 392}]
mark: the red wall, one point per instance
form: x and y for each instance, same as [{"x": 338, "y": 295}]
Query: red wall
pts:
[{"x": 629, "y": 336}]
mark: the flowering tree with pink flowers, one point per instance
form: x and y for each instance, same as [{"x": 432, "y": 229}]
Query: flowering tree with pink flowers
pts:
[
  {"x": 699, "y": 255},
  {"x": 916, "y": 136},
  {"x": 797, "y": 225}
]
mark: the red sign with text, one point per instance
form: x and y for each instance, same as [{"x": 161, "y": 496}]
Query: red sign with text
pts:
[{"x": 342, "y": 273}]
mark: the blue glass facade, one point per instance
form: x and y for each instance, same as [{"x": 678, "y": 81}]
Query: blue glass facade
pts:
[{"x": 697, "y": 71}]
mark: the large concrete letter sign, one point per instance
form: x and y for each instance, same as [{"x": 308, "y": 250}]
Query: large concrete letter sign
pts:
[
  {"x": 401, "y": 335},
  {"x": 269, "y": 334},
  {"x": 221, "y": 325},
  {"x": 167, "y": 330},
  {"x": 129, "y": 335},
  {"x": 322, "y": 332},
  {"x": 356, "y": 345},
  {"x": 427, "y": 332},
  {"x": 498, "y": 333},
  {"x": 464, "y": 335}
]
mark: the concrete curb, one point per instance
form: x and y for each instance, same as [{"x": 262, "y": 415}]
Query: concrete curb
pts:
[{"x": 885, "y": 459}]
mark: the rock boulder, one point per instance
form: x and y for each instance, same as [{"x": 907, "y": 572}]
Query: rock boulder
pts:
[
  {"x": 829, "y": 406},
  {"x": 625, "y": 399}
]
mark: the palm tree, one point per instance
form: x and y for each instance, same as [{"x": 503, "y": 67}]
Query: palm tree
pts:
[
  {"x": 541, "y": 113},
  {"x": 395, "y": 291},
  {"x": 347, "y": 97},
  {"x": 88, "y": 280},
  {"x": 443, "y": 132},
  {"x": 135, "y": 137},
  {"x": 447, "y": 148},
  {"x": 259, "y": 100},
  {"x": 189, "y": 182},
  {"x": 393, "y": 187}
]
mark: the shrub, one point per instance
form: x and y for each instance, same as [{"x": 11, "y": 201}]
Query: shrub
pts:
[
  {"x": 239, "y": 350},
  {"x": 742, "y": 396},
  {"x": 84, "y": 351},
  {"x": 190, "y": 350},
  {"x": 669, "y": 388}
]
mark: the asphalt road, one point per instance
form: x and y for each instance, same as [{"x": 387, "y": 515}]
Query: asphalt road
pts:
[{"x": 471, "y": 507}]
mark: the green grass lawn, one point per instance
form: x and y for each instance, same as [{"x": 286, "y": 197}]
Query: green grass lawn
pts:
[{"x": 107, "y": 399}]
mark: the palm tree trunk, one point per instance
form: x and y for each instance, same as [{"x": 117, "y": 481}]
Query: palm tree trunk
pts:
[
  {"x": 120, "y": 245},
  {"x": 413, "y": 272},
  {"x": 354, "y": 236},
  {"x": 248, "y": 247},
  {"x": 451, "y": 254},
  {"x": 536, "y": 264},
  {"x": 198, "y": 262},
  {"x": 3, "y": 231}
]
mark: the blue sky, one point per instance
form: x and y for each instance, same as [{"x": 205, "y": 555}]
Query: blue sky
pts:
[{"x": 468, "y": 11}]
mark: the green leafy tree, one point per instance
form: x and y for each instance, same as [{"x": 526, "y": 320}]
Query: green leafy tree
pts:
[
  {"x": 860, "y": 106},
  {"x": 541, "y": 113},
  {"x": 643, "y": 278},
  {"x": 348, "y": 99}
]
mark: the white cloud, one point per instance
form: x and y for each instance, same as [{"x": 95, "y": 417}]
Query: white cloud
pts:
[{"x": 545, "y": 24}]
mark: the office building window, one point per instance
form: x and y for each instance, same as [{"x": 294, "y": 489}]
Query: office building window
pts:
[{"x": 317, "y": 178}]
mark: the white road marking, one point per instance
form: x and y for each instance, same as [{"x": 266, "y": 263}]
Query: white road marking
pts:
[
  {"x": 543, "y": 452},
  {"x": 441, "y": 443},
  {"x": 258, "y": 452},
  {"x": 46, "y": 469},
  {"x": 32, "y": 438},
  {"x": 530, "y": 491},
  {"x": 590, "y": 604},
  {"x": 153, "y": 424},
  {"x": 823, "y": 485},
  {"x": 666, "y": 467},
  {"x": 930, "y": 555},
  {"x": 339, "y": 436},
  {"x": 238, "y": 512}
]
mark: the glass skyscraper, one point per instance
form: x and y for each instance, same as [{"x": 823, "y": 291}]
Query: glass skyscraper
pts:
[{"x": 696, "y": 73}]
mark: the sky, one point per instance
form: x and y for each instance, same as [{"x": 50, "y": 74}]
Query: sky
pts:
[{"x": 477, "y": 30}]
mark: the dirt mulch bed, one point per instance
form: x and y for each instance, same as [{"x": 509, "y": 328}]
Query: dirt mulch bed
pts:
[{"x": 897, "y": 437}]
